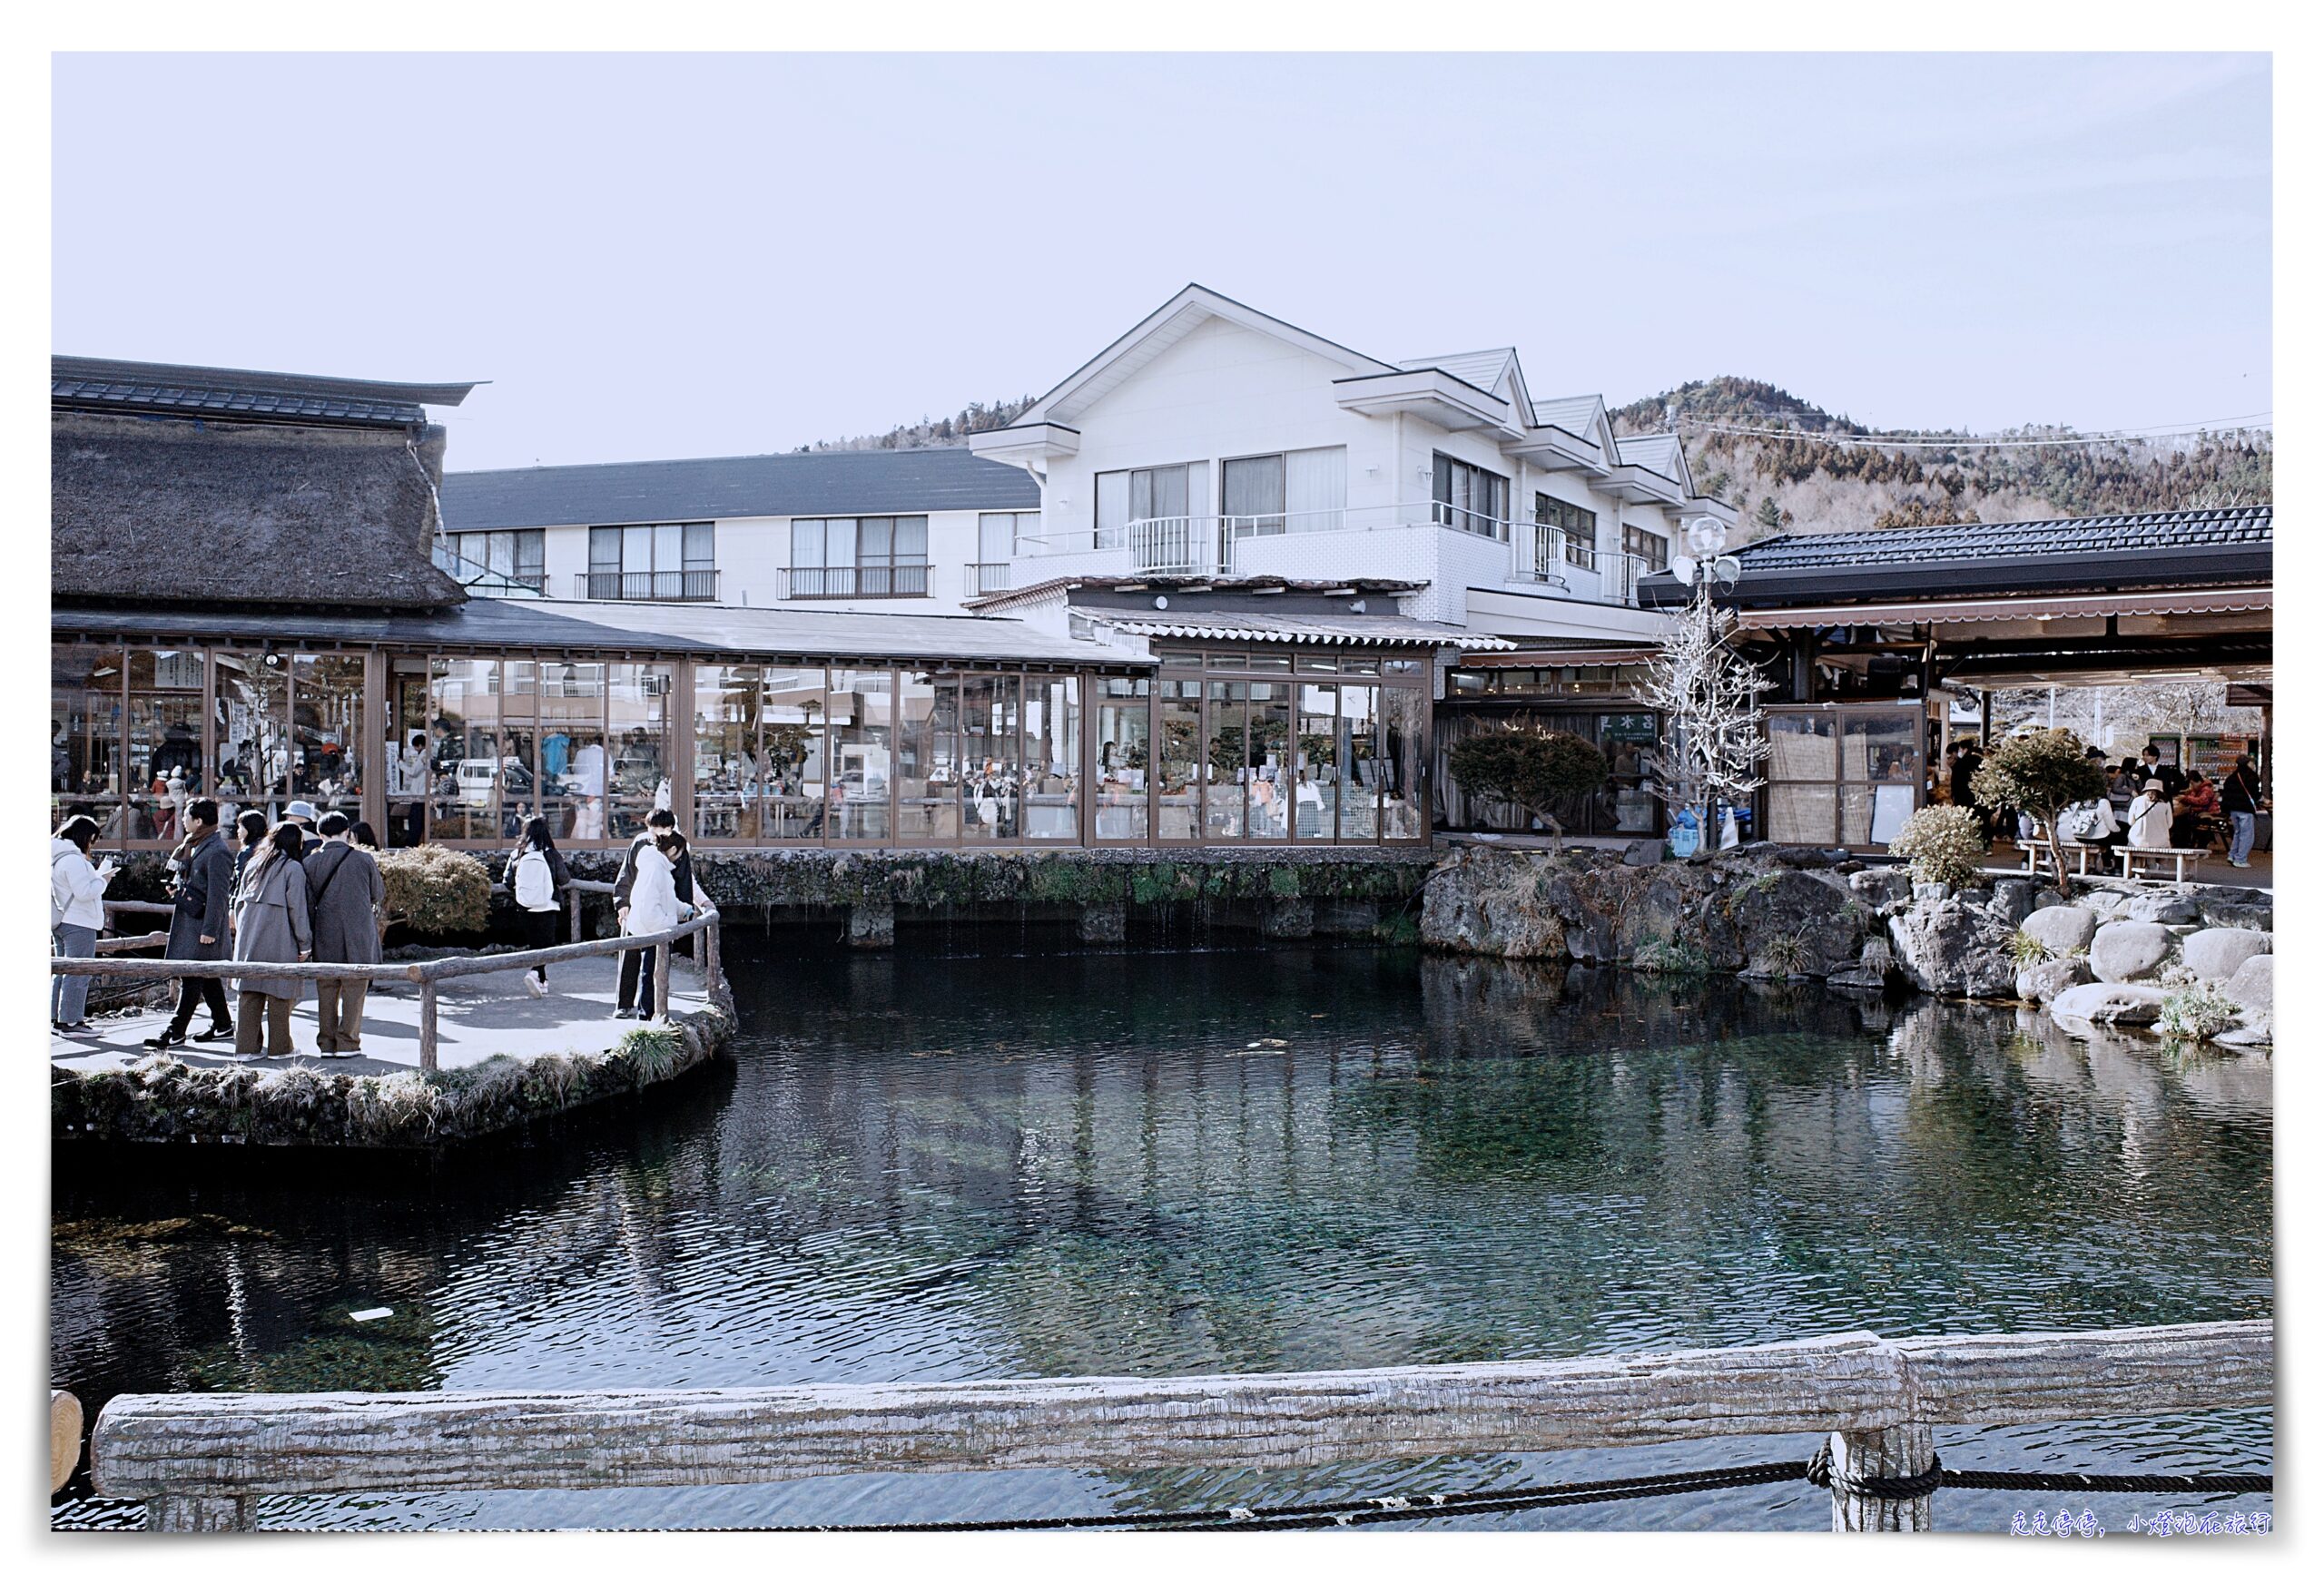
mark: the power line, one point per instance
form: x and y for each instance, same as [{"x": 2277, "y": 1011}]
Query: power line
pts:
[{"x": 1973, "y": 442}]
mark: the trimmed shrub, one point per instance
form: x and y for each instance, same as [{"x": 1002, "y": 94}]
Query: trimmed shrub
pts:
[
  {"x": 1945, "y": 845},
  {"x": 1536, "y": 769},
  {"x": 2041, "y": 772},
  {"x": 435, "y": 891}
]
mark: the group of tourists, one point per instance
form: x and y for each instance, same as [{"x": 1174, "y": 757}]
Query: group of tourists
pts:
[
  {"x": 310, "y": 890},
  {"x": 2167, "y": 808}
]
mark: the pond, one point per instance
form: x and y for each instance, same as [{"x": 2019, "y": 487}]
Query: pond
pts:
[{"x": 941, "y": 1164}]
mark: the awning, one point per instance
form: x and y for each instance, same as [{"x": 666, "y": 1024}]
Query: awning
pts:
[
  {"x": 2016, "y": 607},
  {"x": 1544, "y": 659},
  {"x": 1323, "y": 631}
]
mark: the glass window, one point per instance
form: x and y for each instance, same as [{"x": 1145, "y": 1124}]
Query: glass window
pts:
[
  {"x": 605, "y": 552},
  {"x": 84, "y": 722},
  {"x": 1404, "y": 814},
  {"x": 1470, "y": 499},
  {"x": 1267, "y": 784},
  {"x": 1316, "y": 489},
  {"x": 726, "y": 769},
  {"x": 1052, "y": 807},
  {"x": 861, "y": 725},
  {"x": 989, "y": 757},
  {"x": 1362, "y": 769},
  {"x": 1573, "y": 527},
  {"x": 1652, "y": 548},
  {"x": 1123, "y": 721},
  {"x": 326, "y": 753},
  {"x": 1254, "y": 495},
  {"x": 1224, "y": 757},
  {"x": 165, "y": 740},
  {"x": 251, "y": 731},
  {"x": 576, "y": 772},
  {"x": 520, "y": 798},
  {"x": 928, "y": 763},
  {"x": 639, "y": 739},
  {"x": 796, "y": 786},
  {"x": 1177, "y": 778},
  {"x": 870, "y": 558},
  {"x": 464, "y": 787}
]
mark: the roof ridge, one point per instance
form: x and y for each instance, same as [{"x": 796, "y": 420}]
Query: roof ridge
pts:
[{"x": 739, "y": 456}]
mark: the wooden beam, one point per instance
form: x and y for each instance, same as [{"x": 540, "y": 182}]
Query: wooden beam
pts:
[
  {"x": 2042, "y": 1378},
  {"x": 64, "y": 1438}
]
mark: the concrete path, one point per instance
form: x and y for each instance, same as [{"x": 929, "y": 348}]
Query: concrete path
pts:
[{"x": 475, "y": 1018}]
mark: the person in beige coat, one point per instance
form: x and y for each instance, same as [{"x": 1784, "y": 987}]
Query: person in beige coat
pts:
[{"x": 271, "y": 925}]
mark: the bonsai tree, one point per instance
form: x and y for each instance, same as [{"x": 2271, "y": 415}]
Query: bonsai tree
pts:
[
  {"x": 2044, "y": 773},
  {"x": 1533, "y": 768}
]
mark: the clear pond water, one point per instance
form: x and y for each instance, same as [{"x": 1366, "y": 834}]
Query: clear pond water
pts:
[{"x": 941, "y": 1166}]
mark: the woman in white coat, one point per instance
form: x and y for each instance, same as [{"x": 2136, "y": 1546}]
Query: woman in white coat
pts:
[
  {"x": 653, "y": 908},
  {"x": 76, "y": 912},
  {"x": 2150, "y": 818}
]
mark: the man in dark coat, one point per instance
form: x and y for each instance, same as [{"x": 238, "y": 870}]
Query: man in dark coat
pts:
[
  {"x": 205, "y": 897},
  {"x": 635, "y": 962},
  {"x": 2173, "y": 779},
  {"x": 344, "y": 893}
]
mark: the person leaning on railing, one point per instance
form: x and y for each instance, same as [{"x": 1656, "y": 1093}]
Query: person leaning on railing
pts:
[
  {"x": 76, "y": 912},
  {"x": 652, "y": 906},
  {"x": 271, "y": 926}
]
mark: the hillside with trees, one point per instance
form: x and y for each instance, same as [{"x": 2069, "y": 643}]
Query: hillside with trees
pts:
[
  {"x": 973, "y": 418},
  {"x": 1826, "y": 473}
]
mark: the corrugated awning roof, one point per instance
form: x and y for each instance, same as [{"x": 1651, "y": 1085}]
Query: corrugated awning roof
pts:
[
  {"x": 1337, "y": 630},
  {"x": 1607, "y": 654},
  {"x": 2018, "y": 607}
]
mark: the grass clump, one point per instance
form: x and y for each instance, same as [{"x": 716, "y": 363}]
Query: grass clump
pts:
[{"x": 2196, "y": 1013}]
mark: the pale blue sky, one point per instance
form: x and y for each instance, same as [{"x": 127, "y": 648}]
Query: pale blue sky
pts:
[{"x": 660, "y": 255}]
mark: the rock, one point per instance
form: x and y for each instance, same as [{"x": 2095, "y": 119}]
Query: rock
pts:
[
  {"x": 1951, "y": 950},
  {"x": 2013, "y": 899},
  {"x": 2162, "y": 907},
  {"x": 2247, "y": 1037},
  {"x": 2214, "y": 954},
  {"x": 1930, "y": 895},
  {"x": 2253, "y": 987},
  {"x": 2237, "y": 907},
  {"x": 1643, "y": 854},
  {"x": 1487, "y": 903},
  {"x": 2062, "y": 931},
  {"x": 1879, "y": 888},
  {"x": 1787, "y": 924},
  {"x": 1805, "y": 857},
  {"x": 2120, "y": 952},
  {"x": 2108, "y": 1005},
  {"x": 2046, "y": 897},
  {"x": 1974, "y": 896},
  {"x": 2045, "y": 981}
]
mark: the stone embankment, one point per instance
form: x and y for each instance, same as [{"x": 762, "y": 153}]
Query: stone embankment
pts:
[{"x": 2194, "y": 961}]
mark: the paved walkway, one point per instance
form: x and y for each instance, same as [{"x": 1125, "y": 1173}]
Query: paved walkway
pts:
[{"x": 475, "y": 1018}]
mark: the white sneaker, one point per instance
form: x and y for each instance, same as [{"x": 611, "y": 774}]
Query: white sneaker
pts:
[{"x": 533, "y": 986}]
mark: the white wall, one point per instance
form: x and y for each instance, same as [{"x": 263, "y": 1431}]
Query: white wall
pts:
[{"x": 753, "y": 552}]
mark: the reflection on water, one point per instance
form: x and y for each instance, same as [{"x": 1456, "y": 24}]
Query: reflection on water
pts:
[{"x": 941, "y": 1167}]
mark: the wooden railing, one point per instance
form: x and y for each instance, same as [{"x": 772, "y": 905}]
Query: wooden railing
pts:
[
  {"x": 428, "y": 974},
  {"x": 203, "y": 1462}
]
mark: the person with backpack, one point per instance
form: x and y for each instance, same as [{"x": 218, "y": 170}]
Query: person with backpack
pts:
[
  {"x": 653, "y": 905},
  {"x": 535, "y": 875},
  {"x": 76, "y": 912},
  {"x": 345, "y": 891}
]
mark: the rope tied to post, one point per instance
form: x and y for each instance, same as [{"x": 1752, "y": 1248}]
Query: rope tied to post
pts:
[{"x": 1823, "y": 1473}]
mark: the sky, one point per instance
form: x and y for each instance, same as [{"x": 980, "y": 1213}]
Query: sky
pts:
[{"x": 686, "y": 255}]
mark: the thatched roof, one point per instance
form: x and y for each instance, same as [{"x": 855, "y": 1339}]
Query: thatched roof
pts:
[{"x": 203, "y": 512}]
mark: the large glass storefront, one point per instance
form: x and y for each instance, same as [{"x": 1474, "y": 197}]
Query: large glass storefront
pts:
[
  {"x": 136, "y": 732},
  {"x": 1844, "y": 774},
  {"x": 1232, "y": 745}
]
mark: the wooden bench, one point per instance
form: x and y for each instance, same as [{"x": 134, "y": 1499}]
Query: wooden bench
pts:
[
  {"x": 2179, "y": 857},
  {"x": 2037, "y": 854}
]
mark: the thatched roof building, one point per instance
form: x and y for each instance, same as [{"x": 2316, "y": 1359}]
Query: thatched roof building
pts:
[{"x": 231, "y": 487}]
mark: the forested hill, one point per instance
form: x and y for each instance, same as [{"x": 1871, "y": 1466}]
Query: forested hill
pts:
[
  {"x": 973, "y": 418},
  {"x": 1820, "y": 478}
]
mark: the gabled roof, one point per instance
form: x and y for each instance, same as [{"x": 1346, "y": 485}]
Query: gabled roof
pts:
[
  {"x": 1583, "y": 418},
  {"x": 1165, "y": 328},
  {"x": 705, "y": 489},
  {"x": 110, "y": 385},
  {"x": 1657, "y": 453},
  {"x": 1484, "y": 369},
  {"x": 2099, "y": 537}
]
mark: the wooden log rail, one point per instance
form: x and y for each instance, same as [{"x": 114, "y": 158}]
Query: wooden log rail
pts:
[
  {"x": 202, "y": 1461},
  {"x": 428, "y": 974}
]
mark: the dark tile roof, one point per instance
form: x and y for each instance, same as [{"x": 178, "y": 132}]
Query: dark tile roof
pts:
[
  {"x": 550, "y": 626},
  {"x": 695, "y": 489},
  {"x": 2093, "y": 555},
  {"x": 106, "y": 384},
  {"x": 1984, "y": 541},
  {"x": 256, "y": 514}
]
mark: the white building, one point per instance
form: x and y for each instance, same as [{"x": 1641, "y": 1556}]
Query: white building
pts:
[
  {"x": 1213, "y": 441},
  {"x": 918, "y": 530}
]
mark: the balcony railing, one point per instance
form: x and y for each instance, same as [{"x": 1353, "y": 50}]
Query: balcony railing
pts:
[
  {"x": 1207, "y": 546},
  {"x": 896, "y": 582},
  {"x": 696, "y": 587},
  {"x": 985, "y": 577}
]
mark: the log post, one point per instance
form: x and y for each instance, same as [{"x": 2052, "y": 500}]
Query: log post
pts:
[
  {"x": 426, "y": 1025},
  {"x": 64, "y": 1438},
  {"x": 662, "y": 955},
  {"x": 710, "y": 971},
  {"x": 572, "y": 915},
  {"x": 201, "y": 1513},
  {"x": 1899, "y": 1452}
]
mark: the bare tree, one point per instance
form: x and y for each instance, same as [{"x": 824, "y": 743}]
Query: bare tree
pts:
[{"x": 1714, "y": 734}]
